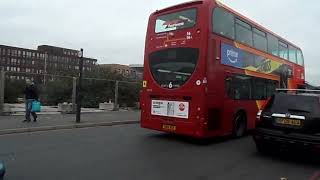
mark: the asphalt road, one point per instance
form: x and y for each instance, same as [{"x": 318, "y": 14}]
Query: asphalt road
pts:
[{"x": 128, "y": 153}]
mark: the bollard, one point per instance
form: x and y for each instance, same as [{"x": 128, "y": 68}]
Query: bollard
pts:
[{"x": 2, "y": 84}]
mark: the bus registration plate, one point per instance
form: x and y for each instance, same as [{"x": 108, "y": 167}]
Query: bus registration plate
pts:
[{"x": 169, "y": 127}]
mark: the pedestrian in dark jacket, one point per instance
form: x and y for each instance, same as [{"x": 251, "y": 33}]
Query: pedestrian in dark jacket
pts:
[{"x": 31, "y": 94}]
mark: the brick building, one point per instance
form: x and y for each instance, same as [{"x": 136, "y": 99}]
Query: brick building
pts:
[
  {"x": 131, "y": 71},
  {"x": 21, "y": 63}
]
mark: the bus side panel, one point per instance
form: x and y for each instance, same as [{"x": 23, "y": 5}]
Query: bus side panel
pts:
[
  {"x": 218, "y": 123},
  {"x": 221, "y": 108}
]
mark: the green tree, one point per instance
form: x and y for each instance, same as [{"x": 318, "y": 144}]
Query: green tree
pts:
[
  {"x": 13, "y": 90},
  {"x": 58, "y": 90}
]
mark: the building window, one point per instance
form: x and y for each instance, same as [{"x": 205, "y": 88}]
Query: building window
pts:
[
  {"x": 243, "y": 32},
  {"x": 223, "y": 23},
  {"x": 14, "y": 52}
]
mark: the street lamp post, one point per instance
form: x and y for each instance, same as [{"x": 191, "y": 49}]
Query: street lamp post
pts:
[{"x": 79, "y": 87}]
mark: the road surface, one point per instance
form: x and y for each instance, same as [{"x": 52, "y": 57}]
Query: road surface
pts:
[{"x": 128, "y": 152}]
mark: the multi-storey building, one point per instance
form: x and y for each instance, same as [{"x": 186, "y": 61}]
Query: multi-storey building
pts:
[
  {"x": 21, "y": 63},
  {"x": 131, "y": 71}
]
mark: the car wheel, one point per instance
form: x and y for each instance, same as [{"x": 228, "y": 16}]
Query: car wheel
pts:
[{"x": 240, "y": 125}]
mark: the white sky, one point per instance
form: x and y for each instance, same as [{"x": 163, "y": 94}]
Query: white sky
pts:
[{"x": 114, "y": 31}]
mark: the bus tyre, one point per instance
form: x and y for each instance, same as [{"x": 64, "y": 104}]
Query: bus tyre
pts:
[{"x": 240, "y": 125}]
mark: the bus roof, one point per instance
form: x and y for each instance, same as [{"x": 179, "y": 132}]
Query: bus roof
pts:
[
  {"x": 195, "y": 2},
  {"x": 220, "y": 4}
]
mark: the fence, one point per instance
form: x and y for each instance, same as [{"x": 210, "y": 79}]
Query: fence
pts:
[{"x": 57, "y": 92}]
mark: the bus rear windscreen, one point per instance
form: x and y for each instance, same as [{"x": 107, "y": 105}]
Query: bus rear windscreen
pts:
[
  {"x": 171, "y": 68},
  {"x": 177, "y": 20}
]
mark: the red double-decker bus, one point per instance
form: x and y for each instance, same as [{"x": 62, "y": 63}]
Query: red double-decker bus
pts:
[{"x": 208, "y": 70}]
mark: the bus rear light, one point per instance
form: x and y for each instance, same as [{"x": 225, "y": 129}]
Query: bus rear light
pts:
[
  {"x": 198, "y": 31},
  {"x": 199, "y": 108}
]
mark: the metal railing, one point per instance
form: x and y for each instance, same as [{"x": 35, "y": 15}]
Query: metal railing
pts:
[{"x": 63, "y": 88}]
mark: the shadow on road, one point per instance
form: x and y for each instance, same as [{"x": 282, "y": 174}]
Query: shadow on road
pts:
[
  {"x": 293, "y": 156},
  {"x": 193, "y": 141}
]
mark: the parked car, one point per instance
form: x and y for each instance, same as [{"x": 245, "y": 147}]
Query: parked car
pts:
[{"x": 289, "y": 121}]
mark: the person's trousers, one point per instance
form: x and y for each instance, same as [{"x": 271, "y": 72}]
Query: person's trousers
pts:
[{"x": 28, "y": 110}]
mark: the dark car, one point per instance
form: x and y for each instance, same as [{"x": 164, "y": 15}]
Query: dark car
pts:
[{"x": 289, "y": 121}]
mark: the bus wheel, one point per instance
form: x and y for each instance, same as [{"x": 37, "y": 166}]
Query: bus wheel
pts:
[{"x": 240, "y": 125}]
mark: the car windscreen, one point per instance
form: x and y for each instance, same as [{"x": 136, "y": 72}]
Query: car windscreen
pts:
[
  {"x": 174, "y": 21},
  {"x": 171, "y": 68},
  {"x": 284, "y": 103}
]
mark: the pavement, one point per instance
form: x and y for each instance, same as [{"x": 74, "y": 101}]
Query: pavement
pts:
[
  {"x": 127, "y": 152},
  {"x": 45, "y": 122},
  {"x": 19, "y": 109}
]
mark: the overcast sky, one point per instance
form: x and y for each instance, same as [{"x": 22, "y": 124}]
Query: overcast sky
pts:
[{"x": 114, "y": 31}]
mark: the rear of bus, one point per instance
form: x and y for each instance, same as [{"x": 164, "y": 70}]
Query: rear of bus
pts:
[{"x": 173, "y": 95}]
